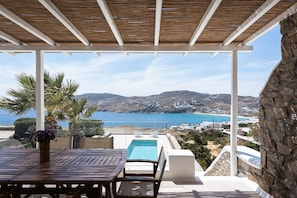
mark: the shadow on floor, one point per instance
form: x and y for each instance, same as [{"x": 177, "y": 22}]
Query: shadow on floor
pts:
[
  {"x": 194, "y": 181},
  {"x": 195, "y": 194}
]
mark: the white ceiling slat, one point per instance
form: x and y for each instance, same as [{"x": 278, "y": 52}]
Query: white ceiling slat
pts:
[
  {"x": 8, "y": 53},
  {"x": 213, "y": 6},
  {"x": 20, "y": 22},
  {"x": 52, "y": 8},
  {"x": 271, "y": 24},
  {"x": 265, "y": 7},
  {"x": 158, "y": 21},
  {"x": 126, "y": 49},
  {"x": 10, "y": 39},
  {"x": 67, "y": 53},
  {"x": 108, "y": 16}
]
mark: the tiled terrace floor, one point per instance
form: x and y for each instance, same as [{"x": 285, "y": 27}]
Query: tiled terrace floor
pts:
[
  {"x": 204, "y": 187},
  {"x": 209, "y": 186}
]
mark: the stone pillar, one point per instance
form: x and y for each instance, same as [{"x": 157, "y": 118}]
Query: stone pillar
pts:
[{"x": 278, "y": 120}]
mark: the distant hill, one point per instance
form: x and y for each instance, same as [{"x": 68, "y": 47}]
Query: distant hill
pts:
[{"x": 173, "y": 102}]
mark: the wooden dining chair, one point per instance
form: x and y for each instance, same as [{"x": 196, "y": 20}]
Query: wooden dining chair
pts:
[
  {"x": 61, "y": 143},
  {"x": 98, "y": 142},
  {"x": 138, "y": 185},
  {"x": 151, "y": 173}
]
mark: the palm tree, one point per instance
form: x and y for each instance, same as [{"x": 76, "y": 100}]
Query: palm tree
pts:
[
  {"x": 75, "y": 112},
  {"x": 78, "y": 111},
  {"x": 58, "y": 95}
]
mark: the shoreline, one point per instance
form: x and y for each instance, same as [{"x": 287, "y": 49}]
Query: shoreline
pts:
[
  {"x": 6, "y": 128},
  {"x": 226, "y": 115}
]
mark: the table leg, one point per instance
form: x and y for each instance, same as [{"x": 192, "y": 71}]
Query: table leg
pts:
[
  {"x": 108, "y": 190},
  {"x": 15, "y": 191},
  {"x": 91, "y": 192}
]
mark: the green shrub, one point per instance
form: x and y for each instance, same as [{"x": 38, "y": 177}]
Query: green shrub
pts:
[
  {"x": 225, "y": 126},
  {"x": 197, "y": 137},
  {"x": 202, "y": 154},
  {"x": 251, "y": 145},
  {"x": 212, "y": 134},
  {"x": 24, "y": 127},
  {"x": 243, "y": 124},
  {"x": 89, "y": 128},
  {"x": 64, "y": 132},
  {"x": 222, "y": 141}
]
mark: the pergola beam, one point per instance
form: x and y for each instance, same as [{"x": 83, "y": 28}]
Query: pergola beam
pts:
[
  {"x": 10, "y": 39},
  {"x": 52, "y": 8},
  {"x": 271, "y": 24},
  {"x": 158, "y": 21},
  {"x": 127, "y": 49},
  {"x": 265, "y": 7},
  {"x": 20, "y": 22},
  {"x": 213, "y": 6},
  {"x": 108, "y": 16}
]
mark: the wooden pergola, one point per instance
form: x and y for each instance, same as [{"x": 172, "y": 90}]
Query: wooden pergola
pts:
[{"x": 138, "y": 26}]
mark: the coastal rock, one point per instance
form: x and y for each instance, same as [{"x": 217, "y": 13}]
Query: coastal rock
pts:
[{"x": 10, "y": 143}]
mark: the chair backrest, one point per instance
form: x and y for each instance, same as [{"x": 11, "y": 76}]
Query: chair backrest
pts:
[
  {"x": 100, "y": 142},
  {"x": 160, "y": 171},
  {"x": 61, "y": 143},
  {"x": 156, "y": 165},
  {"x": 161, "y": 165}
]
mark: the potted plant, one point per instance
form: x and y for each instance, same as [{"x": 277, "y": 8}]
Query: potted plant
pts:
[{"x": 44, "y": 137}]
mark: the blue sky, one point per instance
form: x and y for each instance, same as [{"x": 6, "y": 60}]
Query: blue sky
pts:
[{"x": 146, "y": 74}]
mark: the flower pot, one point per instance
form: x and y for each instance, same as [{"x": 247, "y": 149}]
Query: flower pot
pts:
[{"x": 44, "y": 151}]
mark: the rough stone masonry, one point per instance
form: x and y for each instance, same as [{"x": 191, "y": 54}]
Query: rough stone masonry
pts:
[{"x": 278, "y": 120}]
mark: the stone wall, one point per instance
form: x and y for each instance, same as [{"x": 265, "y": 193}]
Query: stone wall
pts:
[
  {"x": 278, "y": 120},
  {"x": 221, "y": 165}
]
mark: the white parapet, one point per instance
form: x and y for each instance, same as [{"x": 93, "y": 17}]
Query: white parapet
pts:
[{"x": 181, "y": 164}]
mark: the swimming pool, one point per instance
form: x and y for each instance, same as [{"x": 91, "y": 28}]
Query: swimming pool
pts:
[{"x": 143, "y": 149}]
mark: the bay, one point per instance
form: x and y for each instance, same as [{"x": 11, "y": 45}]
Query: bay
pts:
[
  {"x": 155, "y": 120},
  {"x": 152, "y": 120},
  {"x": 7, "y": 118}
]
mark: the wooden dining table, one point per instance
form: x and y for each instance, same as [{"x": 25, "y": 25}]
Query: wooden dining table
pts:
[{"x": 77, "y": 171}]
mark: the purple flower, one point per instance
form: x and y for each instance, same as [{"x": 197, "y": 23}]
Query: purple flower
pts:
[{"x": 43, "y": 135}]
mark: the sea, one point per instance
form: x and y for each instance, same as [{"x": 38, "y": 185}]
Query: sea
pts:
[{"x": 151, "y": 120}]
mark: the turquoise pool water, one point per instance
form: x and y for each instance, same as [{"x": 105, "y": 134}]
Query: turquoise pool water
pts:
[{"x": 143, "y": 149}]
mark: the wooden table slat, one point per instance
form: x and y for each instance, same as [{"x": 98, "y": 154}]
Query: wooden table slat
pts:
[{"x": 73, "y": 166}]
